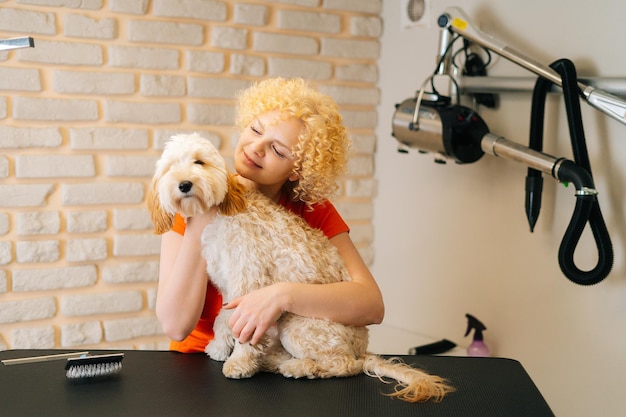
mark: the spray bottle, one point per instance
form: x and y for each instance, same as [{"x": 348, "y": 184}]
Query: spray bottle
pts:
[{"x": 477, "y": 347}]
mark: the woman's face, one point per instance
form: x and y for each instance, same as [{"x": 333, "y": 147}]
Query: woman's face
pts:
[{"x": 264, "y": 153}]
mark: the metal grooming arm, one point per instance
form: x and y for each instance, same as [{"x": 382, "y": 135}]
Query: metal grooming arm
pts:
[
  {"x": 458, "y": 22},
  {"x": 16, "y": 43}
]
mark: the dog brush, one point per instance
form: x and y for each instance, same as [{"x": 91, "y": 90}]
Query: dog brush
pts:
[{"x": 94, "y": 366}]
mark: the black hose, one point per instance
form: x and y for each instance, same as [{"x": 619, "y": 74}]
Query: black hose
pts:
[{"x": 587, "y": 209}]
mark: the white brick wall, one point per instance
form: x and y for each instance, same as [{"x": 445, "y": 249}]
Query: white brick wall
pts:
[{"x": 83, "y": 117}]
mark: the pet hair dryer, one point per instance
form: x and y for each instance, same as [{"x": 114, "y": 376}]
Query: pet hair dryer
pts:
[{"x": 431, "y": 123}]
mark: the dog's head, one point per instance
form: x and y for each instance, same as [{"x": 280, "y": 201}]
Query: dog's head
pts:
[{"x": 190, "y": 178}]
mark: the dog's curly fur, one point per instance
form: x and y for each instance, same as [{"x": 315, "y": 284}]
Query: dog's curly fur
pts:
[{"x": 253, "y": 243}]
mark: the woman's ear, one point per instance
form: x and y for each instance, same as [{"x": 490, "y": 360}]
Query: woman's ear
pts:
[
  {"x": 162, "y": 221},
  {"x": 235, "y": 200}
]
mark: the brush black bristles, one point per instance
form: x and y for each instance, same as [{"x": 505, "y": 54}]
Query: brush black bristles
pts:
[{"x": 94, "y": 366}]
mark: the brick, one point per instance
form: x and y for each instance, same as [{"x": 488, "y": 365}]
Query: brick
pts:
[
  {"x": 25, "y": 21},
  {"x": 161, "y": 136},
  {"x": 80, "y": 26},
  {"x": 143, "y": 57},
  {"x": 130, "y": 166},
  {"x": 350, "y": 48},
  {"x": 4, "y": 224},
  {"x": 247, "y": 65},
  {"x": 138, "y": 112},
  {"x": 102, "y": 193},
  {"x": 210, "y": 10},
  {"x": 165, "y": 32},
  {"x": 33, "y": 338},
  {"x": 82, "y": 250},
  {"x": 151, "y": 298},
  {"x": 62, "y": 53},
  {"x": 20, "y": 79},
  {"x": 215, "y": 87},
  {"x": 229, "y": 38},
  {"x": 308, "y": 21},
  {"x": 201, "y": 61},
  {"x": 361, "y": 6},
  {"x": 46, "y": 166},
  {"x": 136, "y": 245},
  {"x": 101, "y": 303},
  {"x": 3, "y": 282},
  {"x": 85, "y": 333},
  {"x": 124, "y": 329},
  {"x": 359, "y": 119},
  {"x": 366, "y": 26},
  {"x": 86, "y": 221},
  {"x": 23, "y": 137},
  {"x": 361, "y": 165},
  {"x": 5, "y": 253},
  {"x": 211, "y": 114},
  {"x": 287, "y": 44},
  {"x": 4, "y": 167},
  {"x": 93, "y": 82},
  {"x": 363, "y": 143},
  {"x": 108, "y": 138},
  {"x": 27, "y": 310},
  {"x": 251, "y": 14},
  {"x": 40, "y": 251},
  {"x": 305, "y": 68},
  {"x": 162, "y": 85},
  {"x": 356, "y": 211},
  {"x": 54, "y": 278},
  {"x": 30, "y": 108},
  {"x": 305, "y": 3},
  {"x": 38, "y": 223},
  {"x": 3, "y": 107},
  {"x": 24, "y": 195},
  {"x": 130, "y": 272},
  {"x": 357, "y": 72},
  {"x": 352, "y": 95},
  {"x": 132, "y": 219},
  {"x": 361, "y": 188},
  {"x": 74, "y": 4},
  {"x": 129, "y": 6}
]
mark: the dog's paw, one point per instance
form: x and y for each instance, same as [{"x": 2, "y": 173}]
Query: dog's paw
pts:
[
  {"x": 218, "y": 351},
  {"x": 238, "y": 369},
  {"x": 298, "y": 368}
]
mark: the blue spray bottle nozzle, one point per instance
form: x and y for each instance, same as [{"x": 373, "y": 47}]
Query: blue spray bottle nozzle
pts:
[{"x": 477, "y": 347}]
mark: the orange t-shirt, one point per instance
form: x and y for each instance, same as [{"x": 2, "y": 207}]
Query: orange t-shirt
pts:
[{"x": 324, "y": 216}]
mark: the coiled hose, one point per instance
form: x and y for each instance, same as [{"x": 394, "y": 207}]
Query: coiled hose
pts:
[{"x": 587, "y": 206}]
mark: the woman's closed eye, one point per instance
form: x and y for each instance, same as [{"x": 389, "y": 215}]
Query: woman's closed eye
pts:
[{"x": 280, "y": 153}]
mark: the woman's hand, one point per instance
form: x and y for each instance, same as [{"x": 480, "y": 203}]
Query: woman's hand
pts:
[{"x": 257, "y": 311}]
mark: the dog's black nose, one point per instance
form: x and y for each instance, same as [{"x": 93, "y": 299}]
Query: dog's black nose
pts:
[{"x": 185, "y": 186}]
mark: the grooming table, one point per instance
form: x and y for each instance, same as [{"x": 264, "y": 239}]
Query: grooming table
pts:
[{"x": 156, "y": 383}]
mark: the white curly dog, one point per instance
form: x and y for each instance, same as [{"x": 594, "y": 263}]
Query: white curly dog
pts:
[{"x": 252, "y": 243}]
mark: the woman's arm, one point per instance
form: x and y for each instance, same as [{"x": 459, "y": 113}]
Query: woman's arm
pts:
[
  {"x": 182, "y": 279},
  {"x": 358, "y": 302}
]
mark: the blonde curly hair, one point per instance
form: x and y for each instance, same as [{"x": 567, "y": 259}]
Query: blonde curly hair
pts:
[{"x": 323, "y": 144}]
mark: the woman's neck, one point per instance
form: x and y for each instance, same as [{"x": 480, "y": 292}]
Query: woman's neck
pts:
[{"x": 272, "y": 192}]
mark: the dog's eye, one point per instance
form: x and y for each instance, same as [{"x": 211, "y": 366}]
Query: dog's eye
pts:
[{"x": 199, "y": 162}]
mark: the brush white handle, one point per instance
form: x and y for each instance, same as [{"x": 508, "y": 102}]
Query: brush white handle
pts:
[{"x": 45, "y": 358}]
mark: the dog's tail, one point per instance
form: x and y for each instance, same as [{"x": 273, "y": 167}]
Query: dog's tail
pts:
[{"x": 414, "y": 385}]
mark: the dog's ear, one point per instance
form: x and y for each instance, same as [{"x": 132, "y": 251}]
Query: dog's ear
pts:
[
  {"x": 162, "y": 221},
  {"x": 235, "y": 200}
]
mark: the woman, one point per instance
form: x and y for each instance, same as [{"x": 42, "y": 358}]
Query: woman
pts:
[{"x": 292, "y": 148}]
